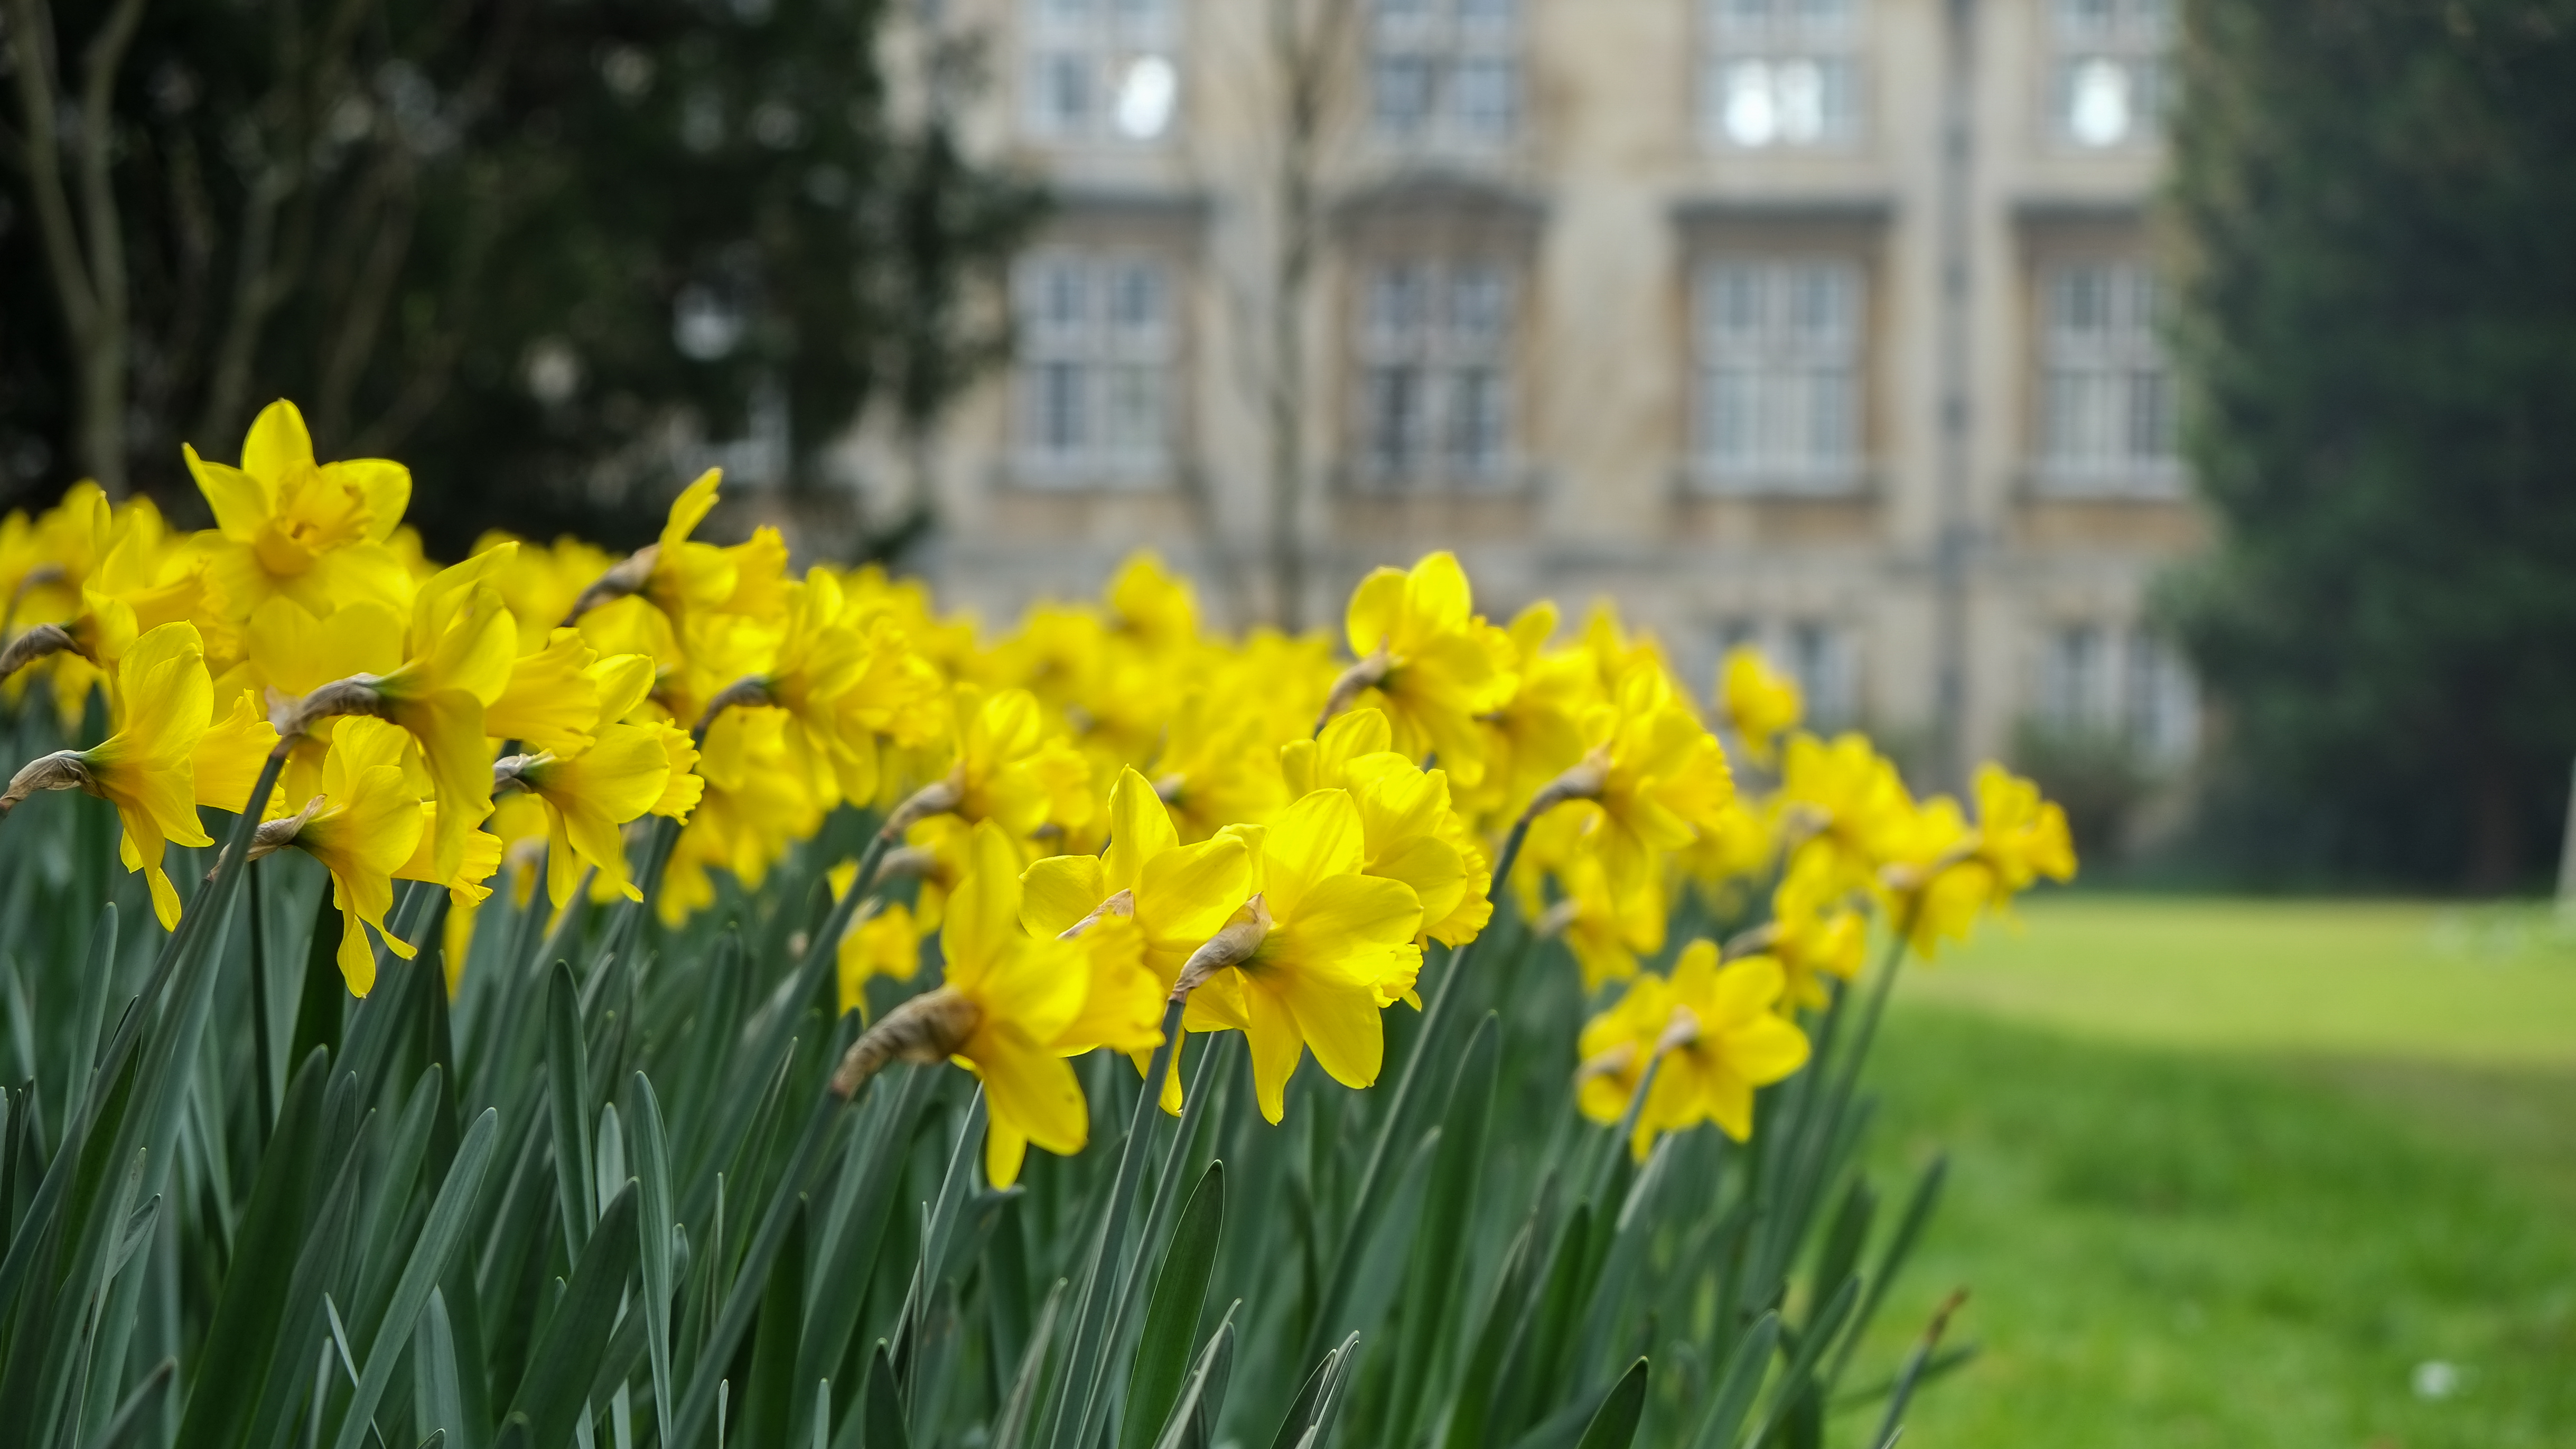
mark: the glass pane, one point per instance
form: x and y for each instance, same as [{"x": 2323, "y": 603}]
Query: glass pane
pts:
[
  {"x": 1062, "y": 82},
  {"x": 1400, "y": 93},
  {"x": 1136, "y": 302},
  {"x": 1477, "y": 421},
  {"x": 1479, "y": 310},
  {"x": 1133, "y": 427},
  {"x": 1487, "y": 97}
]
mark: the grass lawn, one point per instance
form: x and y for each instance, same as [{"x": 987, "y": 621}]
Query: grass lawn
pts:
[{"x": 2231, "y": 1173}]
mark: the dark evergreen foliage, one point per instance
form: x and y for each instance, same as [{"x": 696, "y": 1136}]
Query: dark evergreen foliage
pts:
[
  {"x": 2377, "y": 202},
  {"x": 513, "y": 242}
]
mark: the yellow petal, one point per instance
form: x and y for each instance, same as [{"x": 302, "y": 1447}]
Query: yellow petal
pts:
[
  {"x": 278, "y": 444},
  {"x": 1319, "y": 836},
  {"x": 1030, "y": 1088},
  {"x": 1059, "y": 891}
]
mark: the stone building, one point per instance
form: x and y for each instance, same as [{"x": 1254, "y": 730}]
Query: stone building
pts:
[{"x": 1829, "y": 324}]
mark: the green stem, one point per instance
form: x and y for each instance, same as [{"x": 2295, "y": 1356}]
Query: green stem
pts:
[
  {"x": 263, "y": 1050},
  {"x": 1373, "y": 1181},
  {"x": 1110, "y": 1248}
]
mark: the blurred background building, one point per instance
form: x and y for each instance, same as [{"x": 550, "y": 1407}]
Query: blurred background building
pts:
[{"x": 1825, "y": 324}]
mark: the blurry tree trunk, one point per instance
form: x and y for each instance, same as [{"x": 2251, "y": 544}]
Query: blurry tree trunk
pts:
[
  {"x": 86, "y": 258},
  {"x": 1307, "y": 39}
]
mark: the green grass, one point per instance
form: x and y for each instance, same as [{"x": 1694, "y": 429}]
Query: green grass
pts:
[{"x": 2226, "y": 1173}]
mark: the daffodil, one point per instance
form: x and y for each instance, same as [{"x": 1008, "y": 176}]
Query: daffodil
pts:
[
  {"x": 885, "y": 942},
  {"x": 456, "y": 658},
  {"x": 1171, "y": 897},
  {"x": 1411, "y": 832},
  {"x": 1006, "y": 1012},
  {"x": 1718, "y": 1040},
  {"x": 1945, "y": 873},
  {"x": 1606, "y": 931},
  {"x": 312, "y": 532},
  {"x": 1335, "y": 948},
  {"x": 365, "y": 826},
  {"x": 588, "y": 796},
  {"x": 1843, "y": 801},
  {"x": 1428, "y": 660},
  {"x": 1758, "y": 701},
  {"x": 1177, "y": 895},
  {"x": 551, "y": 700},
  {"x": 679, "y": 575},
  {"x": 147, "y": 769},
  {"x": 1814, "y": 933},
  {"x": 1652, "y": 782}
]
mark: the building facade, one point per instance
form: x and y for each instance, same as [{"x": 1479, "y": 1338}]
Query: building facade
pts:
[{"x": 1825, "y": 324}]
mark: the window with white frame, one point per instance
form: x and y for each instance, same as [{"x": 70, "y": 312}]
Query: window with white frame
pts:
[
  {"x": 2108, "y": 85},
  {"x": 1097, "y": 342},
  {"x": 1777, "y": 350},
  {"x": 2106, "y": 396},
  {"x": 1820, "y": 656},
  {"x": 1780, "y": 72},
  {"x": 1445, "y": 70},
  {"x": 1434, "y": 365},
  {"x": 1102, "y": 70},
  {"x": 2122, "y": 684}
]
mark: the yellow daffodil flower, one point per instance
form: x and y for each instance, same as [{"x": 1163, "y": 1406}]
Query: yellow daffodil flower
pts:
[
  {"x": 1758, "y": 701},
  {"x": 1428, "y": 660},
  {"x": 365, "y": 826},
  {"x": 1719, "y": 1038},
  {"x": 147, "y": 769},
  {"x": 312, "y": 532},
  {"x": 1412, "y": 835},
  {"x": 588, "y": 796},
  {"x": 1336, "y": 948}
]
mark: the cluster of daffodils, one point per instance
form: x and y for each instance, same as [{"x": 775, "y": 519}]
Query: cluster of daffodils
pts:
[{"x": 1116, "y": 825}]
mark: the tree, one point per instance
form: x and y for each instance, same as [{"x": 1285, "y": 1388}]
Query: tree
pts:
[
  {"x": 534, "y": 249},
  {"x": 2378, "y": 324}
]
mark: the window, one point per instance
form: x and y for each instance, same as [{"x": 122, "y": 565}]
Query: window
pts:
[
  {"x": 1777, "y": 347},
  {"x": 1096, "y": 346},
  {"x": 1779, "y": 72},
  {"x": 1102, "y": 70},
  {"x": 1445, "y": 70},
  {"x": 2122, "y": 685},
  {"x": 1819, "y": 657},
  {"x": 1435, "y": 371},
  {"x": 2160, "y": 705},
  {"x": 2106, "y": 398},
  {"x": 2075, "y": 681},
  {"x": 2109, "y": 82}
]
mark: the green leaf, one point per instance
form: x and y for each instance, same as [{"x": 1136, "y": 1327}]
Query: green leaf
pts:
[
  {"x": 1310, "y": 1414},
  {"x": 438, "y": 1383},
  {"x": 1742, "y": 1381},
  {"x": 1172, "y": 1315},
  {"x": 567, "y": 1357},
  {"x": 97, "y": 971},
  {"x": 652, "y": 1153},
  {"x": 765, "y": 1398},
  {"x": 126, "y": 1425},
  {"x": 441, "y": 1236},
  {"x": 1192, "y": 1422},
  {"x": 883, "y": 1407},
  {"x": 1891, "y": 1259},
  {"x": 1615, "y": 1423},
  {"x": 1010, "y": 1431},
  {"x": 567, "y": 1087},
  {"x": 1809, "y": 1348},
  {"x": 1440, "y": 1239}
]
